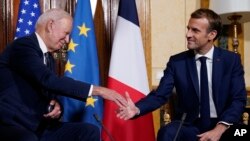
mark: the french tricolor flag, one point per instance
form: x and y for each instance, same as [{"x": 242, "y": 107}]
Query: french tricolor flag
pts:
[{"x": 127, "y": 73}]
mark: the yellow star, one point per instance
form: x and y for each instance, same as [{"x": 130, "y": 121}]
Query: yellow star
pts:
[
  {"x": 83, "y": 29},
  {"x": 72, "y": 45},
  {"x": 68, "y": 67},
  {"x": 91, "y": 101}
]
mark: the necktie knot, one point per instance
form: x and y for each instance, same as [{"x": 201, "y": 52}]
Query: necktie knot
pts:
[
  {"x": 48, "y": 60},
  {"x": 46, "y": 54},
  {"x": 203, "y": 59}
]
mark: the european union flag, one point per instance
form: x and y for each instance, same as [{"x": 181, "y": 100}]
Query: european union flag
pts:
[
  {"x": 28, "y": 13},
  {"x": 82, "y": 64}
]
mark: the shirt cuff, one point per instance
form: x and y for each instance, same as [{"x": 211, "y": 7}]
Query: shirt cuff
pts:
[
  {"x": 225, "y": 123},
  {"x": 138, "y": 113},
  {"x": 90, "y": 90}
]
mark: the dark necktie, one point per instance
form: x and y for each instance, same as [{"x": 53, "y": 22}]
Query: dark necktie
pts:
[
  {"x": 204, "y": 96},
  {"x": 48, "y": 60},
  {"x": 49, "y": 64}
]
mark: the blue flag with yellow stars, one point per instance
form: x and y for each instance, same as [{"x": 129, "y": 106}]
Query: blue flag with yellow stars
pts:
[
  {"x": 82, "y": 64},
  {"x": 28, "y": 13}
]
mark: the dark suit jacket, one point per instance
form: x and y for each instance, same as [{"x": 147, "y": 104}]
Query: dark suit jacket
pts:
[
  {"x": 229, "y": 93},
  {"x": 24, "y": 78}
]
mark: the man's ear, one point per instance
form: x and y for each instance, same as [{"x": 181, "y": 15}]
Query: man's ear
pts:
[
  {"x": 49, "y": 26},
  {"x": 212, "y": 34}
]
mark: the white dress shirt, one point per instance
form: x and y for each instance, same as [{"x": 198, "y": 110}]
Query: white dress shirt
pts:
[{"x": 209, "y": 62}]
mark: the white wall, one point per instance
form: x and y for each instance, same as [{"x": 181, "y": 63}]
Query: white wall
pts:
[{"x": 168, "y": 21}]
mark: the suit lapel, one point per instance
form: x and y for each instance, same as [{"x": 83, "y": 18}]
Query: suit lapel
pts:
[
  {"x": 217, "y": 73},
  {"x": 193, "y": 71}
]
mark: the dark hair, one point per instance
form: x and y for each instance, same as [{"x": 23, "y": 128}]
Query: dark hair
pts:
[{"x": 212, "y": 17}]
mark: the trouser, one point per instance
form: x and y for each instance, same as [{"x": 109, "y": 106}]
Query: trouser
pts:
[
  {"x": 58, "y": 132},
  {"x": 189, "y": 132}
]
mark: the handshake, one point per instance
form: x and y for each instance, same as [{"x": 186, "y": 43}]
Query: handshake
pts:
[{"x": 126, "y": 110}]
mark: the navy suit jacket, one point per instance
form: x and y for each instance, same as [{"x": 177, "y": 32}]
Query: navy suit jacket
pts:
[
  {"x": 24, "y": 78},
  {"x": 229, "y": 92}
]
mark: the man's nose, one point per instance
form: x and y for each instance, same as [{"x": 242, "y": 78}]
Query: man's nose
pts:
[{"x": 188, "y": 34}]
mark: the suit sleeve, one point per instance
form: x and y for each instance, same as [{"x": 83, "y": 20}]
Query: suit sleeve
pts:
[
  {"x": 158, "y": 97},
  {"x": 27, "y": 61},
  {"x": 237, "y": 94}
]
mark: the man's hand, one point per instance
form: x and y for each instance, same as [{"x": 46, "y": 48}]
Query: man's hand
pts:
[
  {"x": 56, "y": 111},
  {"x": 109, "y": 95},
  {"x": 214, "y": 134},
  {"x": 127, "y": 112}
]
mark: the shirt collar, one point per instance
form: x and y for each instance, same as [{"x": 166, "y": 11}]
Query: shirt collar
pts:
[
  {"x": 41, "y": 43},
  {"x": 209, "y": 54}
]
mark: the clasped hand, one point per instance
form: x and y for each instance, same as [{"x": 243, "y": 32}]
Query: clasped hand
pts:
[
  {"x": 56, "y": 111},
  {"x": 129, "y": 111}
]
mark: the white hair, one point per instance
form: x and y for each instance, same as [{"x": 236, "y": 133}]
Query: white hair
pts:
[{"x": 52, "y": 14}]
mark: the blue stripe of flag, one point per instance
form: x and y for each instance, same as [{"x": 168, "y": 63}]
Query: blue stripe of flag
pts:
[{"x": 128, "y": 10}]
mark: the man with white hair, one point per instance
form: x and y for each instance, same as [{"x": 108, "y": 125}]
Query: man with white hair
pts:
[{"x": 28, "y": 86}]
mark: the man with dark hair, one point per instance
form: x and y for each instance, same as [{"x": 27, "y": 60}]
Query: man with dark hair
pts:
[{"x": 209, "y": 83}]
